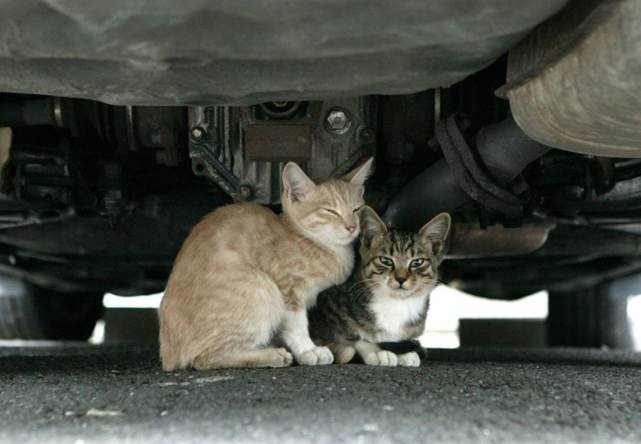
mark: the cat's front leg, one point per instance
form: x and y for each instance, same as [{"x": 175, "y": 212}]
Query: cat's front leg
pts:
[
  {"x": 372, "y": 354},
  {"x": 295, "y": 333}
]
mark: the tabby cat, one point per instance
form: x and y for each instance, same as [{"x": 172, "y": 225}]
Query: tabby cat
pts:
[
  {"x": 387, "y": 297},
  {"x": 245, "y": 272}
]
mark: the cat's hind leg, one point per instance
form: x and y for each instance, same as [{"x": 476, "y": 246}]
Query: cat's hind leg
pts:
[
  {"x": 372, "y": 354},
  {"x": 267, "y": 357},
  {"x": 234, "y": 317}
]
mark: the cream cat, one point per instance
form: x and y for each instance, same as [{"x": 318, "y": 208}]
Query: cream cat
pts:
[{"x": 245, "y": 273}]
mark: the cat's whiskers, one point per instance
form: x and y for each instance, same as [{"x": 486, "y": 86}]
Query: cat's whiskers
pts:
[
  {"x": 355, "y": 285},
  {"x": 364, "y": 281},
  {"x": 378, "y": 287},
  {"x": 361, "y": 291},
  {"x": 425, "y": 285},
  {"x": 368, "y": 283}
]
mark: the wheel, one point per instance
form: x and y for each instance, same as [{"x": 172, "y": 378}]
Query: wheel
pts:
[
  {"x": 592, "y": 317},
  {"x": 30, "y": 312}
]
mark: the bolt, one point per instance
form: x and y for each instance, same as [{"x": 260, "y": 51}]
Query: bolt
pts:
[
  {"x": 197, "y": 134},
  {"x": 338, "y": 121},
  {"x": 245, "y": 193},
  {"x": 367, "y": 136},
  {"x": 198, "y": 166}
]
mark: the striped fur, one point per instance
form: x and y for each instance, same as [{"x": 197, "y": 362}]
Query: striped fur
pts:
[{"x": 387, "y": 297}]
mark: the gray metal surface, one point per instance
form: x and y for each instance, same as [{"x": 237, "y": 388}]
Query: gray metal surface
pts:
[
  {"x": 120, "y": 395},
  {"x": 222, "y": 152},
  {"x": 469, "y": 240},
  {"x": 576, "y": 86},
  {"x": 192, "y": 52}
]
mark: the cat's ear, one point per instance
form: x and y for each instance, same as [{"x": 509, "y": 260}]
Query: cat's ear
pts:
[
  {"x": 296, "y": 184},
  {"x": 359, "y": 175},
  {"x": 371, "y": 225},
  {"x": 436, "y": 231}
]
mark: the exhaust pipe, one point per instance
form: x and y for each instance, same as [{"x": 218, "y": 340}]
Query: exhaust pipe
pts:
[{"x": 484, "y": 175}]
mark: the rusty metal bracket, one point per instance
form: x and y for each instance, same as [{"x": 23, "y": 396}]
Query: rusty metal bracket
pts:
[{"x": 278, "y": 143}]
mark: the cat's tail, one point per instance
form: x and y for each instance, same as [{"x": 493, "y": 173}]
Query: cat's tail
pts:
[
  {"x": 172, "y": 354},
  {"x": 169, "y": 358}
]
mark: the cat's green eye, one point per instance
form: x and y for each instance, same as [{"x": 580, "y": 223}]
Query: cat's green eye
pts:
[
  {"x": 386, "y": 261},
  {"x": 416, "y": 263}
]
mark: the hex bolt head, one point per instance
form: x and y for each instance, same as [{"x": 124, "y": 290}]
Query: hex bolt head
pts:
[
  {"x": 338, "y": 121},
  {"x": 197, "y": 134},
  {"x": 245, "y": 193}
]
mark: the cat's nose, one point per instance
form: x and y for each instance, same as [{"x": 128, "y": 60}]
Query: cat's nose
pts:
[
  {"x": 352, "y": 229},
  {"x": 400, "y": 280}
]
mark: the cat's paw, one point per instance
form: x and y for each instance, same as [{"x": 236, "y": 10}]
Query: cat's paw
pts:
[
  {"x": 315, "y": 356},
  {"x": 344, "y": 354},
  {"x": 410, "y": 359},
  {"x": 382, "y": 358},
  {"x": 281, "y": 358}
]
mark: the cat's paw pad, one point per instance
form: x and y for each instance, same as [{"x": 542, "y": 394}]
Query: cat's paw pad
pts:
[
  {"x": 383, "y": 358},
  {"x": 281, "y": 358},
  {"x": 409, "y": 359},
  {"x": 315, "y": 356}
]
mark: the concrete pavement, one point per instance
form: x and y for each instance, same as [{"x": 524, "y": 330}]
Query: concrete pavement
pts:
[{"x": 118, "y": 394}]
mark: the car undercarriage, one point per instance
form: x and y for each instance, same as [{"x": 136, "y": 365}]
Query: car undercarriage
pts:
[{"x": 123, "y": 124}]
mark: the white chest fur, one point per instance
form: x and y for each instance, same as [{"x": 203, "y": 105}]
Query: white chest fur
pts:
[{"x": 393, "y": 314}]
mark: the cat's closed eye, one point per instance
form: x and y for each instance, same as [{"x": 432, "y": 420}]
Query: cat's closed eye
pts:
[
  {"x": 334, "y": 212},
  {"x": 386, "y": 261}
]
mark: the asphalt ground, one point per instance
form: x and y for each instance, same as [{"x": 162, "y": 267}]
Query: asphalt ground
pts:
[{"x": 118, "y": 394}]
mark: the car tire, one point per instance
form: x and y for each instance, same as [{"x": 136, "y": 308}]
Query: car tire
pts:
[
  {"x": 30, "y": 312},
  {"x": 591, "y": 317}
]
